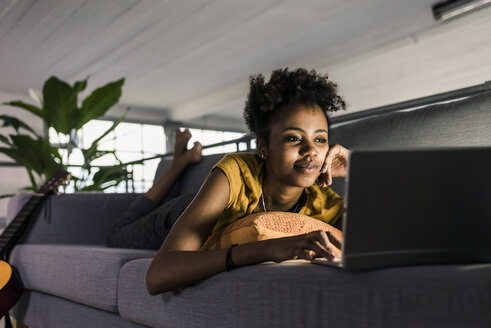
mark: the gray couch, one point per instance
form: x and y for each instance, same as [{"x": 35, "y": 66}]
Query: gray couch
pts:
[{"x": 73, "y": 280}]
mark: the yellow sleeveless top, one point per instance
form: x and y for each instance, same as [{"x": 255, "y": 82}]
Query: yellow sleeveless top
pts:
[{"x": 245, "y": 171}]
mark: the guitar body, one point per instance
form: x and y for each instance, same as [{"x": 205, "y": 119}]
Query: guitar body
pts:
[{"x": 11, "y": 288}]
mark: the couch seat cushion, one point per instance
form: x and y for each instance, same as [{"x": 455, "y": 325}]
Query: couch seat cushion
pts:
[
  {"x": 84, "y": 274},
  {"x": 300, "y": 294}
]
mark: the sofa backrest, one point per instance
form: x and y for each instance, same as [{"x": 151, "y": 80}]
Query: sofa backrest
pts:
[
  {"x": 460, "y": 123},
  {"x": 465, "y": 122},
  {"x": 78, "y": 218}
]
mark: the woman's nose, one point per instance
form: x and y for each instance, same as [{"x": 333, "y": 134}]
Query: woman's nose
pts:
[{"x": 308, "y": 148}]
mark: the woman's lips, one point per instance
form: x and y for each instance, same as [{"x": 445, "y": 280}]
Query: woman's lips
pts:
[{"x": 306, "y": 167}]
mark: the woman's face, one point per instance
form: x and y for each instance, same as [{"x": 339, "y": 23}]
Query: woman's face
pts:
[{"x": 297, "y": 145}]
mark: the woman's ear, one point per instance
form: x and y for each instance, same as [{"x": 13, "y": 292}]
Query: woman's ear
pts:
[{"x": 262, "y": 150}]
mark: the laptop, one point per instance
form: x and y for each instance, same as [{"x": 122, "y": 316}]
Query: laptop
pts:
[{"x": 414, "y": 207}]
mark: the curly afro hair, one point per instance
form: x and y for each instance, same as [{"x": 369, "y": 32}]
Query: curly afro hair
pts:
[{"x": 287, "y": 87}]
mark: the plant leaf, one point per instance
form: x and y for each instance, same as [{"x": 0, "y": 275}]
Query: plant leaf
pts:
[
  {"x": 80, "y": 86},
  {"x": 15, "y": 123},
  {"x": 111, "y": 175},
  {"x": 99, "y": 102},
  {"x": 5, "y": 140},
  {"x": 115, "y": 124},
  {"x": 91, "y": 155},
  {"x": 33, "y": 181},
  {"x": 60, "y": 105},
  {"x": 30, "y": 108},
  {"x": 6, "y": 195},
  {"x": 94, "y": 187},
  {"x": 35, "y": 154},
  {"x": 24, "y": 159},
  {"x": 92, "y": 152}
]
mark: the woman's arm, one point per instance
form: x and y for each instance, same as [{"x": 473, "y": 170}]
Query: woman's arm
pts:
[{"x": 179, "y": 262}]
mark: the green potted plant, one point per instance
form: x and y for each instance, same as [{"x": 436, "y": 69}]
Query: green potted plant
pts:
[{"x": 59, "y": 109}]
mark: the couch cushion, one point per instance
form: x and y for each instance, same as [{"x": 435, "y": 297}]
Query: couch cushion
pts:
[
  {"x": 41, "y": 310},
  {"x": 300, "y": 294},
  {"x": 87, "y": 275},
  {"x": 79, "y": 218}
]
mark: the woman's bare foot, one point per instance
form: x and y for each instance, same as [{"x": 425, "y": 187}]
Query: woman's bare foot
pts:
[
  {"x": 182, "y": 156},
  {"x": 181, "y": 141},
  {"x": 194, "y": 154}
]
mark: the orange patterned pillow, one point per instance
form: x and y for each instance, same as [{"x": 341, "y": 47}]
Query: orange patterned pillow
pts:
[{"x": 266, "y": 225}]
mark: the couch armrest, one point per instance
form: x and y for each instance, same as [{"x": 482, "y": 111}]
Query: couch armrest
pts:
[{"x": 80, "y": 218}]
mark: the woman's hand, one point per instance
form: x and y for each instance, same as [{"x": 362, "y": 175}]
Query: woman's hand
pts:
[
  {"x": 307, "y": 246},
  {"x": 335, "y": 165}
]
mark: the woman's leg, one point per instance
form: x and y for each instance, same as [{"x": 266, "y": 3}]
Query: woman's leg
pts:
[
  {"x": 149, "y": 231},
  {"x": 129, "y": 231},
  {"x": 182, "y": 158}
]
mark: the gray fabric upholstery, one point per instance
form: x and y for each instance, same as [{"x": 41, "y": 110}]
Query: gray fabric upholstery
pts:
[
  {"x": 39, "y": 310},
  {"x": 88, "y": 275},
  {"x": 193, "y": 176},
  {"x": 462, "y": 123},
  {"x": 190, "y": 182},
  {"x": 81, "y": 218},
  {"x": 300, "y": 294}
]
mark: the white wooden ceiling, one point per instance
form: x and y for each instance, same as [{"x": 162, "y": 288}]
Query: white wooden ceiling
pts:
[{"x": 190, "y": 60}]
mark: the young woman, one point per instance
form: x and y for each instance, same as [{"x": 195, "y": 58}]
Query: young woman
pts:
[{"x": 291, "y": 172}]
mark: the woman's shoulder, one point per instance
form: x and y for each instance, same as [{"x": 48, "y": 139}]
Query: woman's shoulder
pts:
[
  {"x": 242, "y": 157},
  {"x": 240, "y": 161}
]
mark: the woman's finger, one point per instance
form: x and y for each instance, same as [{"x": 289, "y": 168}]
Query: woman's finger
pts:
[
  {"x": 322, "y": 245},
  {"x": 329, "y": 241},
  {"x": 334, "y": 240},
  {"x": 307, "y": 254},
  {"x": 336, "y": 162},
  {"x": 317, "y": 246},
  {"x": 328, "y": 168}
]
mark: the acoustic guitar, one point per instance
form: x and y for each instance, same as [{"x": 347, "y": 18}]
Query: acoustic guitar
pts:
[{"x": 11, "y": 286}]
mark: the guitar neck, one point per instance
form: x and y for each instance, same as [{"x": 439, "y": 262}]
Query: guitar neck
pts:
[{"x": 14, "y": 228}]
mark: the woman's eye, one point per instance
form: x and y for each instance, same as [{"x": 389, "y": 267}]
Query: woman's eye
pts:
[
  {"x": 292, "y": 139},
  {"x": 321, "y": 140}
]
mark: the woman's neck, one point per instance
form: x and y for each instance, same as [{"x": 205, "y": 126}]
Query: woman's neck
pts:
[{"x": 277, "y": 196}]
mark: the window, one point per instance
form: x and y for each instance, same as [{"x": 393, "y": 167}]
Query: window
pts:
[
  {"x": 208, "y": 137},
  {"x": 135, "y": 141},
  {"x": 129, "y": 141}
]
